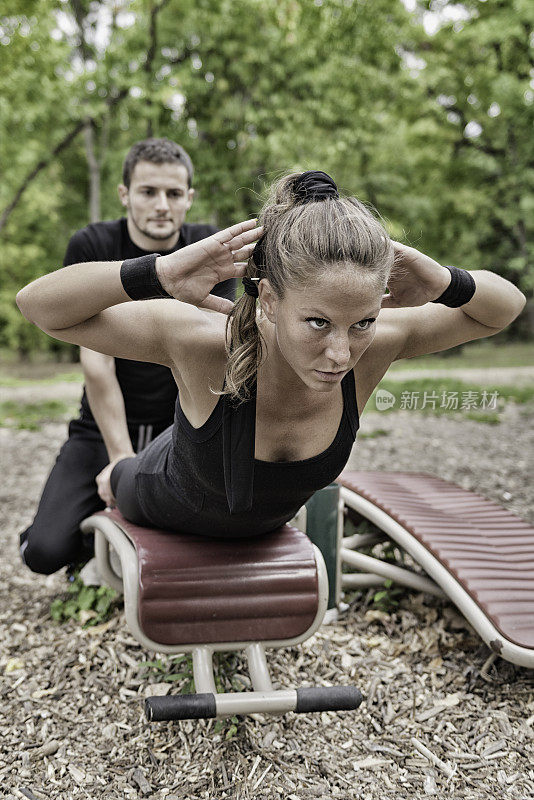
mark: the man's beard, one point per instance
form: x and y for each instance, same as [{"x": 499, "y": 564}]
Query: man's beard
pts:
[{"x": 156, "y": 236}]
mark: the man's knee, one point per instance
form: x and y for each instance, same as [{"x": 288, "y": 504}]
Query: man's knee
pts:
[
  {"x": 41, "y": 559},
  {"x": 43, "y": 556}
]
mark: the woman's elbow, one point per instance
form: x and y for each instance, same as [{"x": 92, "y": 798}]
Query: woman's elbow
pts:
[
  {"x": 512, "y": 301},
  {"x": 33, "y": 306},
  {"x": 522, "y": 301},
  {"x": 518, "y": 303},
  {"x": 23, "y": 301}
]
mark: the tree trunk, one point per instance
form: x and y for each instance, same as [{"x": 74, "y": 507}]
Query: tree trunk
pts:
[
  {"x": 155, "y": 8},
  {"x": 94, "y": 165}
]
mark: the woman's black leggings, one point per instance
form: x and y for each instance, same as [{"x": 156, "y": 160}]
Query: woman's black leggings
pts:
[{"x": 123, "y": 487}]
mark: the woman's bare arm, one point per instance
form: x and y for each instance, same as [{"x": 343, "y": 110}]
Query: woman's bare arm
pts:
[
  {"x": 414, "y": 325},
  {"x": 152, "y": 330},
  {"x": 90, "y": 307}
]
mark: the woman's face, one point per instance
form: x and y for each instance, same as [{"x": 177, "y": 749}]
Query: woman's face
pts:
[{"x": 323, "y": 329}]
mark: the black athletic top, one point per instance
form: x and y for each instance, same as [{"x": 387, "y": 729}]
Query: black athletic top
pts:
[
  {"x": 206, "y": 480},
  {"x": 149, "y": 390}
]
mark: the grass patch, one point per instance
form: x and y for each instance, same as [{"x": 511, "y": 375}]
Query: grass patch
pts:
[
  {"x": 30, "y": 416},
  {"x": 61, "y": 377},
  {"x": 484, "y": 353},
  {"x": 374, "y": 434},
  {"x": 488, "y": 419},
  {"x": 450, "y": 396},
  {"x": 179, "y": 670}
]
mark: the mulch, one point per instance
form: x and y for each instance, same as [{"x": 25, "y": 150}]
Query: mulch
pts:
[{"x": 442, "y": 716}]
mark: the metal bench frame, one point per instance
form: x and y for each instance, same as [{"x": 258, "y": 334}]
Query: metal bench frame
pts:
[
  {"x": 373, "y": 572},
  {"x": 207, "y": 702}
]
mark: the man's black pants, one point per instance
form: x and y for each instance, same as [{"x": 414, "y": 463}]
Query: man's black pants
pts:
[{"x": 54, "y": 539}]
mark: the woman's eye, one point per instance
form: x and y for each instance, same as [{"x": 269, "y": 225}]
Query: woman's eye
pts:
[
  {"x": 365, "y": 323},
  {"x": 317, "y": 323}
]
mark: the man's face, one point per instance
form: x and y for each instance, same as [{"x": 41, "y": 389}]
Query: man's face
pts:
[{"x": 157, "y": 201}]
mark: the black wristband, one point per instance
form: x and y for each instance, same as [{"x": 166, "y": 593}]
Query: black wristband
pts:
[
  {"x": 140, "y": 279},
  {"x": 459, "y": 291}
]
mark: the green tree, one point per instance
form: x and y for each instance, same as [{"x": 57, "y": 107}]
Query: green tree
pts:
[
  {"x": 476, "y": 76},
  {"x": 433, "y": 130}
]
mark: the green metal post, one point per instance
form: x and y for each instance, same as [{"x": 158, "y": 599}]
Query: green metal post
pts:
[{"x": 323, "y": 528}]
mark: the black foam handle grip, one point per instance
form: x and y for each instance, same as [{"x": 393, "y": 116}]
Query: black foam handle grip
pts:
[
  {"x": 181, "y": 706},
  {"x": 328, "y": 698}
]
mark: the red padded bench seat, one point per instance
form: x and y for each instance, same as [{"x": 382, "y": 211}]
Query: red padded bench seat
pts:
[{"x": 195, "y": 589}]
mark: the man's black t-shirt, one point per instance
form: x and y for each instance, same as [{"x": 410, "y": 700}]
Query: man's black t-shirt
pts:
[{"x": 149, "y": 390}]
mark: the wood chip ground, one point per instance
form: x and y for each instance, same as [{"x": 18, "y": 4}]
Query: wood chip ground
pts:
[{"x": 442, "y": 717}]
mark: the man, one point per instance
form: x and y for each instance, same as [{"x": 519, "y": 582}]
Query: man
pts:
[{"x": 125, "y": 403}]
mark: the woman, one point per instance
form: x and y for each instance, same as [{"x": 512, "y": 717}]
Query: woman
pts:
[{"x": 268, "y": 405}]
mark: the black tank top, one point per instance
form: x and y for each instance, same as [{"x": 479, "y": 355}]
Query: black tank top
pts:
[{"x": 206, "y": 481}]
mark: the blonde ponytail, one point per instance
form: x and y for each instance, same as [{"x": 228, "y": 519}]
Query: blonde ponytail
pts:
[{"x": 245, "y": 350}]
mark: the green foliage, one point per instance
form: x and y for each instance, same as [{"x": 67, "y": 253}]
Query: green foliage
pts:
[
  {"x": 15, "y": 332},
  {"x": 433, "y": 130},
  {"x": 491, "y": 352},
  {"x": 476, "y": 77},
  {"x": 61, "y": 377},
  {"x": 387, "y": 599},
  {"x": 90, "y": 605},
  {"x": 363, "y": 526},
  {"x": 30, "y": 416},
  {"x": 377, "y": 433},
  {"x": 174, "y": 669},
  {"x": 488, "y": 419}
]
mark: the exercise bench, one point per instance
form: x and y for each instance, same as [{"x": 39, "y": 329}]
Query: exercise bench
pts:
[
  {"x": 201, "y": 595},
  {"x": 478, "y": 554}
]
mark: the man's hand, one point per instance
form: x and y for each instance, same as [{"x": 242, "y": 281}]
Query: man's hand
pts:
[
  {"x": 103, "y": 482},
  {"x": 416, "y": 279},
  {"x": 191, "y": 273}
]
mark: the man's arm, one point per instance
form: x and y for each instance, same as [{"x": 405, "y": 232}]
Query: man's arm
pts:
[
  {"x": 101, "y": 385},
  {"x": 107, "y": 402}
]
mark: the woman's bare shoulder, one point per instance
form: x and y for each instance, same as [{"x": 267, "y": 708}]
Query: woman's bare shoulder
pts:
[
  {"x": 201, "y": 353},
  {"x": 376, "y": 360}
]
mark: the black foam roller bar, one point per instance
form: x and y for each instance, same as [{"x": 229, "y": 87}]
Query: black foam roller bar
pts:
[
  {"x": 328, "y": 698},
  {"x": 181, "y": 706}
]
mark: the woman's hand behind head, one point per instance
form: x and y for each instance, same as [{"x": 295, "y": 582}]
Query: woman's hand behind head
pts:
[
  {"x": 191, "y": 273},
  {"x": 416, "y": 279}
]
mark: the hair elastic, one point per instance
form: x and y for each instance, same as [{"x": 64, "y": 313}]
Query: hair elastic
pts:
[
  {"x": 251, "y": 286},
  {"x": 309, "y": 187},
  {"x": 314, "y": 186}
]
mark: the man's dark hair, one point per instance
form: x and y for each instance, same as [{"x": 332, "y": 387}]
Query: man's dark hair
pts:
[{"x": 158, "y": 151}]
